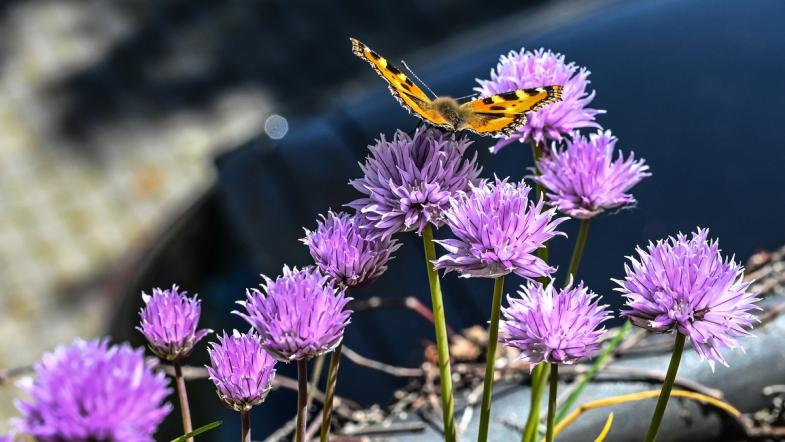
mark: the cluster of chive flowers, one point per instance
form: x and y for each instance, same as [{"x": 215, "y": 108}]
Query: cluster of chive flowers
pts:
[
  {"x": 242, "y": 371},
  {"x": 299, "y": 315},
  {"x": 498, "y": 229},
  {"x": 684, "y": 284},
  {"x": 527, "y": 69},
  {"x": 583, "y": 179},
  {"x": 91, "y": 390},
  {"x": 346, "y": 251},
  {"x": 169, "y": 320},
  {"x": 408, "y": 180},
  {"x": 553, "y": 326}
]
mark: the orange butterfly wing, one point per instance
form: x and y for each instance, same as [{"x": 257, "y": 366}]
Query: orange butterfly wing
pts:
[
  {"x": 504, "y": 113},
  {"x": 411, "y": 97}
]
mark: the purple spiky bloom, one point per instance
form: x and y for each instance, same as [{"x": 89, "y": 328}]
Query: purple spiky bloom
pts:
[
  {"x": 551, "y": 325},
  {"x": 526, "y": 69},
  {"x": 241, "y": 370},
  {"x": 684, "y": 284},
  {"x": 91, "y": 391},
  {"x": 168, "y": 321},
  {"x": 582, "y": 180},
  {"x": 498, "y": 231},
  {"x": 409, "y": 180},
  {"x": 299, "y": 315},
  {"x": 346, "y": 252}
]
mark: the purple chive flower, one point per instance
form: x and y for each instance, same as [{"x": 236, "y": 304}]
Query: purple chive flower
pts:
[
  {"x": 684, "y": 284},
  {"x": 90, "y": 390},
  {"x": 583, "y": 180},
  {"x": 241, "y": 370},
  {"x": 526, "y": 69},
  {"x": 346, "y": 252},
  {"x": 498, "y": 230},
  {"x": 299, "y": 315},
  {"x": 551, "y": 325},
  {"x": 408, "y": 180},
  {"x": 168, "y": 321}
]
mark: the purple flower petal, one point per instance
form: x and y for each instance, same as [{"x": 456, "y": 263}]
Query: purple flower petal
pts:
[
  {"x": 498, "y": 231},
  {"x": 348, "y": 253},
  {"x": 168, "y": 321},
  {"x": 553, "y": 326},
  {"x": 526, "y": 69},
  {"x": 90, "y": 390},
  {"x": 684, "y": 284},
  {"x": 409, "y": 180},
  {"x": 583, "y": 179},
  {"x": 241, "y": 370},
  {"x": 299, "y": 315}
]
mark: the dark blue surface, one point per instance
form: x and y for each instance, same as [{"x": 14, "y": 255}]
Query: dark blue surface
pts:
[{"x": 695, "y": 87}]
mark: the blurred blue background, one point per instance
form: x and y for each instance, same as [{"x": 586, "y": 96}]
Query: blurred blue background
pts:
[{"x": 144, "y": 128}]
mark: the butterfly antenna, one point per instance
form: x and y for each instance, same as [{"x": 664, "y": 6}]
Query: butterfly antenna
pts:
[
  {"x": 468, "y": 96},
  {"x": 418, "y": 79}
]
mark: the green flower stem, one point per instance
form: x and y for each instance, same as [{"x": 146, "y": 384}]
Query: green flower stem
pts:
[
  {"x": 329, "y": 393},
  {"x": 316, "y": 375},
  {"x": 577, "y": 251},
  {"x": 539, "y": 192},
  {"x": 245, "y": 417},
  {"x": 539, "y": 376},
  {"x": 182, "y": 396},
  {"x": 442, "y": 344},
  {"x": 490, "y": 359},
  {"x": 302, "y": 399},
  {"x": 540, "y": 372},
  {"x": 598, "y": 364},
  {"x": 667, "y": 386},
  {"x": 552, "y": 402}
]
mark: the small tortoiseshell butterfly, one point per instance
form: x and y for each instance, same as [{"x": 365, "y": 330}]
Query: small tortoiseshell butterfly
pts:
[{"x": 500, "y": 114}]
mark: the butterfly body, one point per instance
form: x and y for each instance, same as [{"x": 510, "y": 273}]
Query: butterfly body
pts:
[
  {"x": 500, "y": 114},
  {"x": 451, "y": 111}
]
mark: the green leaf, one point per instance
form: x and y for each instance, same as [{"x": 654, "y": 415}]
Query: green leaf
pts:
[{"x": 198, "y": 431}]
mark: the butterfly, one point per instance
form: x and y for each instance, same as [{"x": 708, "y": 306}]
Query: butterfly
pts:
[{"x": 500, "y": 114}]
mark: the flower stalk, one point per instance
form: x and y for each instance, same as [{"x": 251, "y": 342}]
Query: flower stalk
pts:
[
  {"x": 490, "y": 359},
  {"x": 302, "y": 399},
  {"x": 329, "y": 393},
  {"x": 316, "y": 376},
  {"x": 440, "y": 328},
  {"x": 182, "y": 396},
  {"x": 667, "y": 386},
  {"x": 577, "y": 251},
  {"x": 552, "y": 402},
  {"x": 539, "y": 373},
  {"x": 245, "y": 417}
]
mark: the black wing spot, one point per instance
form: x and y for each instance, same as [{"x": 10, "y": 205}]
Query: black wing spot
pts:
[
  {"x": 374, "y": 55},
  {"x": 393, "y": 69},
  {"x": 488, "y": 100},
  {"x": 509, "y": 95},
  {"x": 498, "y": 107},
  {"x": 409, "y": 82}
]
